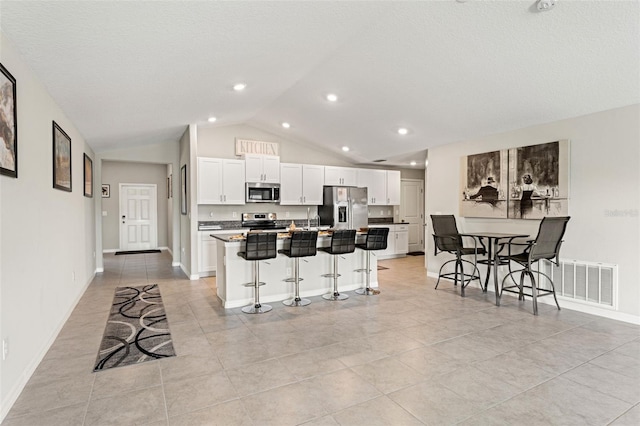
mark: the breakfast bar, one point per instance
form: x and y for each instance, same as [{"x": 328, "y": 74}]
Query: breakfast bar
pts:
[{"x": 233, "y": 272}]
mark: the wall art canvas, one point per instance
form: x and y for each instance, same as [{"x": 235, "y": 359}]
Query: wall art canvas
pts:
[
  {"x": 539, "y": 180},
  {"x": 88, "y": 176},
  {"x": 8, "y": 124},
  {"x": 61, "y": 159},
  {"x": 183, "y": 189},
  {"x": 484, "y": 184},
  {"x": 106, "y": 190}
]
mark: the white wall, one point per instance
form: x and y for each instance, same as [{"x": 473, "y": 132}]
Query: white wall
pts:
[
  {"x": 47, "y": 236},
  {"x": 116, "y": 172},
  {"x": 604, "y": 192}
]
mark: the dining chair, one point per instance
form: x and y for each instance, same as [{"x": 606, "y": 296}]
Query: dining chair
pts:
[
  {"x": 545, "y": 246},
  {"x": 447, "y": 239}
]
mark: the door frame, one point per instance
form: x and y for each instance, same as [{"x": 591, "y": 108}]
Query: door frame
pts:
[{"x": 154, "y": 211}]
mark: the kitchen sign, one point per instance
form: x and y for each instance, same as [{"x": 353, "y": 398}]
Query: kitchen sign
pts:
[{"x": 245, "y": 146}]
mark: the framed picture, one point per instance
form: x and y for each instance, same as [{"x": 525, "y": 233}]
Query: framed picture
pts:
[
  {"x": 61, "y": 159},
  {"x": 88, "y": 176},
  {"x": 8, "y": 124},
  {"x": 106, "y": 190},
  {"x": 183, "y": 189}
]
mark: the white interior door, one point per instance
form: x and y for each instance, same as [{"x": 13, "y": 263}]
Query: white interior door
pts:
[
  {"x": 138, "y": 217},
  {"x": 412, "y": 211}
]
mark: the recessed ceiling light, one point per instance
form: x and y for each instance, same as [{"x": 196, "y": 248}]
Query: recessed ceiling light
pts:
[
  {"x": 413, "y": 163},
  {"x": 402, "y": 131},
  {"x": 345, "y": 148},
  {"x": 286, "y": 125},
  {"x": 332, "y": 97},
  {"x": 239, "y": 87},
  {"x": 211, "y": 119}
]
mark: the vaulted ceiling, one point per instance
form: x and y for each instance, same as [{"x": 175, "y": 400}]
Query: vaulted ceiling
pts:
[{"x": 131, "y": 72}]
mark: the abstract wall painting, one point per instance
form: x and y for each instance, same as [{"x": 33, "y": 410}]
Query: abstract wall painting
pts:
[
  {"x": 484, "y": 183},
  {"x": 61, "y": 159},
  {"x": 539, "y": 180},
  {"x": 527, "y": 182},
  {"x": 8, "y": 124}
]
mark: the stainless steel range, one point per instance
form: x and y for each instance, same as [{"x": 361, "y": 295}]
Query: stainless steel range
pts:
[{"x": 263, "y": 221}]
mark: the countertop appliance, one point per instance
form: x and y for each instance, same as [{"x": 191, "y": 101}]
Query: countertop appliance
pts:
[
  {"x": 260, "y": 192},
  {"x": 344, "y": 207},
  {"x": 260, "y": 221}
]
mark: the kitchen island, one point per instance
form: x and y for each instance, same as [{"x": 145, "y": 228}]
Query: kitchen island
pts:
[{"x": 233, "y": 272}]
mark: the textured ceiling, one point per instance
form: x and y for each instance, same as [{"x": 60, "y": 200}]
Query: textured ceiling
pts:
[{"x": 132, "y": 73}]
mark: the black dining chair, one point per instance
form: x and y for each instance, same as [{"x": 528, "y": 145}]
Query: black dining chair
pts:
[
  {"x": 447, "y": 239},
  {"x": 545, "y": 246}
]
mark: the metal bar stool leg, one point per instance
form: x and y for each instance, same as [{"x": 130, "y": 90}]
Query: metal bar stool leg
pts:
[
  {"x": 368, "y": 291},
  {"x": 257, "y": 308},
  {"x": 335, "y": 295},
  {"x": 297, "y": 301}
]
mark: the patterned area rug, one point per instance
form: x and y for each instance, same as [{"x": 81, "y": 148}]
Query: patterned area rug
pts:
[{"x": 137, "y": 329}]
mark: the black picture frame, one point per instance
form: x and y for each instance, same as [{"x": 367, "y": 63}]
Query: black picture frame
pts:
[
  {"x": 183, "y": 189},
  {"x": 62, "y": 159},
  {"x": 106, "y": 190},
  {"x": 8, "y": 124},
  {"x": 88, "y": 176}
]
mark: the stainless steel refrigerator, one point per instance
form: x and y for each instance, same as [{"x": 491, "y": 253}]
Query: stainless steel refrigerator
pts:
[{"x": 344, "y": 207}]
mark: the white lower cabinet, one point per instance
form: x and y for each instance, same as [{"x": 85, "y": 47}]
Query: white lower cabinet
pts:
[
  {"x": 207, "y": 252},
  {"x": 397, "y": 242}
]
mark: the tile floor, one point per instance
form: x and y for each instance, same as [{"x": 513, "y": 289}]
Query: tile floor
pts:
[{"x": 412, "y": 355}]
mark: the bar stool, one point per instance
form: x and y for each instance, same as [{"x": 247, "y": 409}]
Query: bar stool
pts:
[
  {"x": 376, "y": 240},
  {"x": 301, "y": 244},
  {"x": 343, "y": 241},
  {"x": 258, "y": 246}
]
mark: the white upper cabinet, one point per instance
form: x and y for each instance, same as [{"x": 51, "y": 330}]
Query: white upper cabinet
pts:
[
  {"x": 301, "y": 184},
  {"x": 340, "y": 176},
  {"x": 393, "y": 187},
  {"x": 262, "y": 168},
  {"x": 291, "y": 185},
  {"x": 312, "y": 180},
  {"x": 383, "y": 186},
  {"x": 220, "y": 181},
  {"x": 376, "y": 183}
]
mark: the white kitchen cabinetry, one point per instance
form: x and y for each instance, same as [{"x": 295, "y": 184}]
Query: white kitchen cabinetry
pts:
[
  {"x": 301, "y": 184},
  {"x": 345, "y": 176},
  {"x": 397, "y": 242},
  {"x": 207, "y": 255},
  {"x": 220, "y": 181},
  {"x": 401, "y": 244},
  {"x": 262, "y": 168},
  {"x": 393, "y": 187},
  {"x": 208, "y": 252},
  {"x": 376, "y": 183},
  {"x": 383, "y": 186}
]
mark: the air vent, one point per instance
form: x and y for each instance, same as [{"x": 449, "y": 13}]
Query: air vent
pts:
[
  {"x": 379, "y": 161},
  {"x": 587, "y": 282}
]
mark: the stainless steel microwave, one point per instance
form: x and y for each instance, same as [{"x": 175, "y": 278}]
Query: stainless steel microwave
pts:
[{"x": 259, "y": 192}]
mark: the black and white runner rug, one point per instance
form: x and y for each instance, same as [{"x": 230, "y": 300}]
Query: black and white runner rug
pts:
[{"x": 137, "y": 329}]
